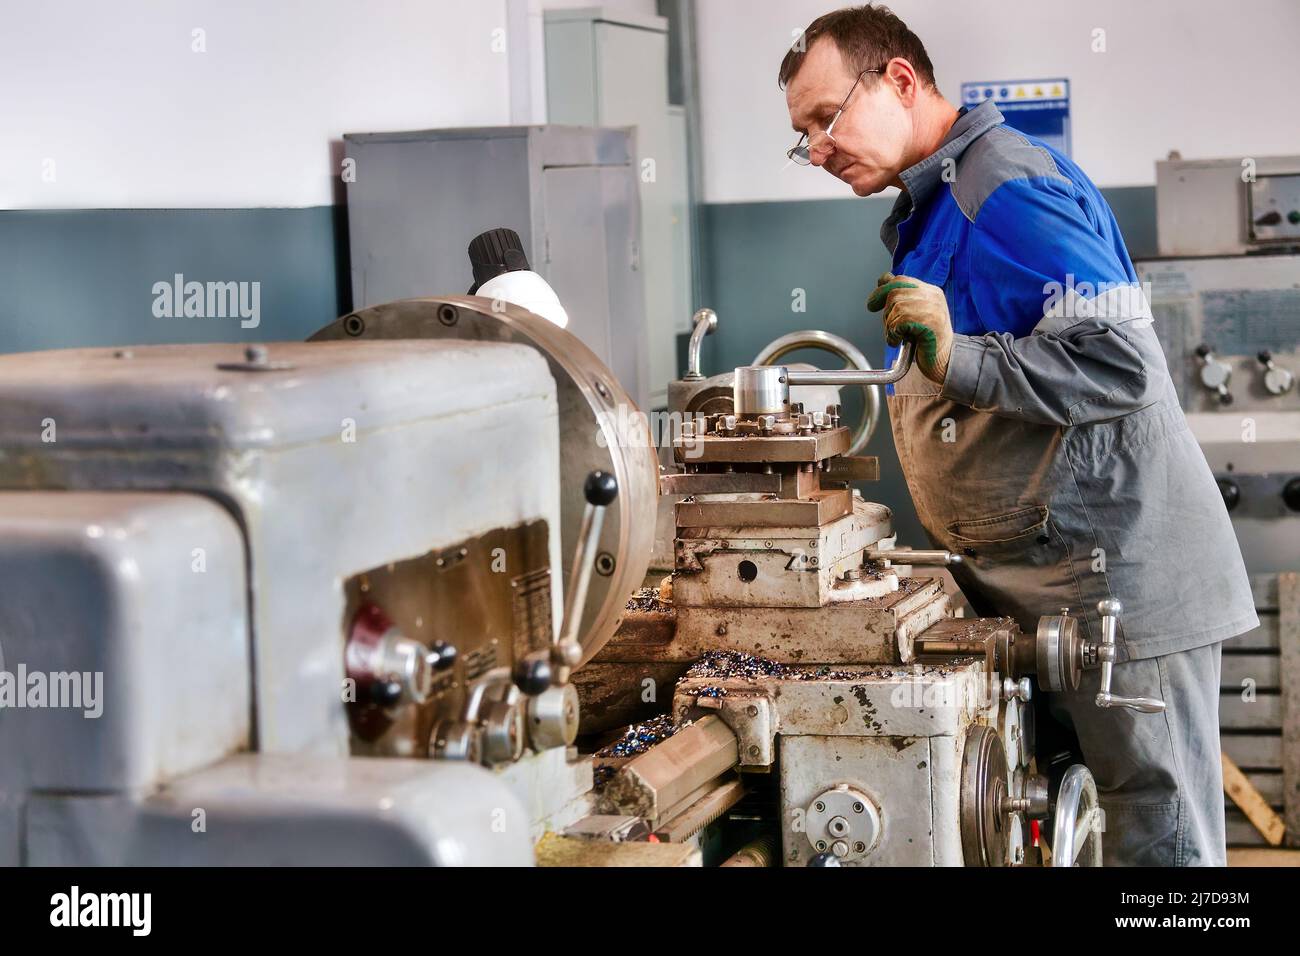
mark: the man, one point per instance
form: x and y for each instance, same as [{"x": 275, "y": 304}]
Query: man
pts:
[{"x": 1039, "y": 430}]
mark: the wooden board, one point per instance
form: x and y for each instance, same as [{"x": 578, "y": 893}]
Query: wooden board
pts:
[
  {"x": 1253, "y": 751},
  {"x": 1264, "y": 590},
  {"x": 1262, "y": 668},
  {"x": 1269, "y": 785},
  {"x": 1252, "y": 804},
  {"x": 1288, "y": 590},
  {"x": 1263, "y": 712},
  {"x": 1262, "y": 638},
  {"x": 1240, "y": 831},
  {"x": 1243, "y": 856}
]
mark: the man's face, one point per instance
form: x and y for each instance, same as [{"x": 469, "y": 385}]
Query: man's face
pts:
[{"x": 872, "y": 133}]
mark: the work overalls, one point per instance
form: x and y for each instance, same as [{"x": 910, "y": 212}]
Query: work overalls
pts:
[{"x": 1056, "y": 458}]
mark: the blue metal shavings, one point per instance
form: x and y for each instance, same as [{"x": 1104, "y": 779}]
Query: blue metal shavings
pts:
[{"x": 639, "y": 738}]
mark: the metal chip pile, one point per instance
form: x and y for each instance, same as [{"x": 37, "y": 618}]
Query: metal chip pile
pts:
[
  {"x": 639, "y": 738},
  {"x": 636, "y": 740},
  {"x": 748, "y": 667},
  {"x": 734, "y": 664},
  {"x": 646, "y": 599}
]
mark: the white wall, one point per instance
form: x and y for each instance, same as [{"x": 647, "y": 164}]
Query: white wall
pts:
[
  {"x": 641, "y": 8},
  {"x": 131, "y": 116},
  {"x": 1206, "y": 77}
]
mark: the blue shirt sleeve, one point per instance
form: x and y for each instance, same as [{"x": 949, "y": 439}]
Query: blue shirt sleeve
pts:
[
  {"x": 1032, "y": 238},
  {"x": 1067, "y": 331}
]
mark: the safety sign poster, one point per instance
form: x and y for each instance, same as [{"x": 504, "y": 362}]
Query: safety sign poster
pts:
[{"x": 1040, "y": 108}]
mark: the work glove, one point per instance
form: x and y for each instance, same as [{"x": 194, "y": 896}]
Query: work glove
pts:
[{"x": 918, "y": 311}]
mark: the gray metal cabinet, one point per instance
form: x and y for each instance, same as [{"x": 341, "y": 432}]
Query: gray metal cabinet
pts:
[
  {"x": 570, "y": 192},
  {"x": 609, "y": 68}
]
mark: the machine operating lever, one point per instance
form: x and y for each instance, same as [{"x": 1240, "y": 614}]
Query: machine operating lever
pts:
[
  {"x": 1110, "y": 610},
  {"x": 911, "y": 556},
  {"x": 852, "y": 376},
  {"x": 704, "y": 322},
  {"x": 600, "y": 490}
]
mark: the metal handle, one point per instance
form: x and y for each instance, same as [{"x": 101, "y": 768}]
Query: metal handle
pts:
[
  {"x": 911, "y": 556},
  {"x": 765, "y": 389},
  {"x": 600, "y": 489},
  {"x": 706, "y": 320},
  {"x": 842, "y": 347},
  {"x": 902, "y": 365},
  {"x": 1110, "y": 610}
]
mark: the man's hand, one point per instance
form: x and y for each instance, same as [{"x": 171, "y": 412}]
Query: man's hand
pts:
[{"x": 918, "y": 311}]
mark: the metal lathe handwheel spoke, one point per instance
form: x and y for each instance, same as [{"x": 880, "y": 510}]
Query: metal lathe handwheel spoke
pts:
[
  {"x": 1076, "y": 834},
  {"x": 842, "y": 347}
]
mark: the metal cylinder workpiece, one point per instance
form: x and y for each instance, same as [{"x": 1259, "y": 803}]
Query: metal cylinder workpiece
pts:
[{"x": 760, "y": 390}]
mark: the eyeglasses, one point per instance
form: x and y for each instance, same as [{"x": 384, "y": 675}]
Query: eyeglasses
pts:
[{"x": 801, "y": 152}]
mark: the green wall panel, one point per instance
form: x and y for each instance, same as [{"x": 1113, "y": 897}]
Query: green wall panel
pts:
[{"x": 85, "y": 277}]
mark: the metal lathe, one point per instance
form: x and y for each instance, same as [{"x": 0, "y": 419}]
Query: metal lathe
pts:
[{"x": 387, "y": 597}]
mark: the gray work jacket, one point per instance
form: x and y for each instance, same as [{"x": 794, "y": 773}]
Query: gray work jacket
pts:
[{"x": 1056, "y": 457}]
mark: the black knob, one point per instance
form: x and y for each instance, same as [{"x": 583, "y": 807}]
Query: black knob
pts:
[
  {"x": 532, "y": 674},
  {"x": 441, "y": 655},
  {"x": 1225, "y": 398},
  {"x": 601, "y": 488},
  {"x": 494, "y": 252},
  {"x": 825, "y": 859},
  {"x": 1231, "y": 493},
  {"x": 1202, "y": 350},
  {"x": 385, "y": 693},
  {"x": 1291, "y": 494},
  {"x": 1265, "y": 357}
]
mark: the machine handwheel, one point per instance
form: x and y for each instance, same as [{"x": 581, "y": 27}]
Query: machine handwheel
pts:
[
  {"x": 985, "y": 821},
  {"x": 842, "y": 347},
  {"x": 1079, "y": 820}
]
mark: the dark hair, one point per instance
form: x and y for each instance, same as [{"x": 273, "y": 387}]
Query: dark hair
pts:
[{"x": 868, "y": 37}]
